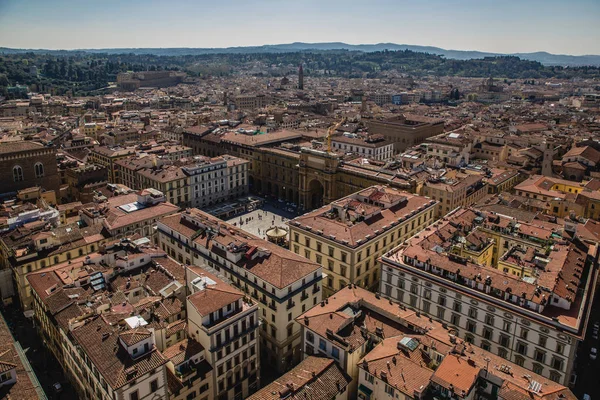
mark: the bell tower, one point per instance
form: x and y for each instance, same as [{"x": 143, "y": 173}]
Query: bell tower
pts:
[{"x": 300, "y": 78}]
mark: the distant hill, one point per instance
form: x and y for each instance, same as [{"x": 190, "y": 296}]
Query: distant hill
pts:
[{"x": 542, "y": 57}]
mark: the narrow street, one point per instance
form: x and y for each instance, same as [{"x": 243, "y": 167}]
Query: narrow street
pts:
[
  {"x": 588, "y": 376},
  {"x": 42, "y": 361}
]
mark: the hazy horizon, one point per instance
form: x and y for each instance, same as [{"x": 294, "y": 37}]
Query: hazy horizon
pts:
[{"x": 557, "y": 27}]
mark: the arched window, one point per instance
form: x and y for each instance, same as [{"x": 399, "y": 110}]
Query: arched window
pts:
[
  {"x": 17, "y": 173},
  {"x": 39, "y": 170}
]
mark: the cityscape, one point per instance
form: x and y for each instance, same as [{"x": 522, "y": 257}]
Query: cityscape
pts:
[{"x": 290, "y": 216}]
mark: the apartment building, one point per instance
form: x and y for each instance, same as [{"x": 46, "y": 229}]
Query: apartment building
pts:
[
  {"x": 213, "y": 180},
  {"x": 117, "y": 323},
  {"x": 348, "y": 235},
  {"x": 417, "y": 367},
  {"x": 107, "y": 156},
  {"x": 406, "y": 130},
  {"x": 251, "y": 102},
  {"x": 225, "y": 322},
  {"x": 128, "y": 214},
  {"x": 36, "y": 246},
  {"x": 285, "y": 284},
  {"x": 372, "y": 147},
  {"x": 391, "y": 351},
  {"x": 516, "y": 289},
  {"x": 456, "y": 191},
  {"x": 170, "y": 180}
]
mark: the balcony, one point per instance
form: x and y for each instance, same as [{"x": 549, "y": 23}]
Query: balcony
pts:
[{"x": 290, "y": 304}]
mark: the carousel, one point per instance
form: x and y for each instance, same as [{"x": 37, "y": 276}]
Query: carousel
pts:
[{"x": 278, "y": 235}]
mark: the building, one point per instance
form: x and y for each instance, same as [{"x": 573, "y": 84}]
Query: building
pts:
[
  {"x": 134, "y": 80},
  {"x": 284, "y": 166},
  {"x": 26, "y": 164},
  {"x": 516, "y": 289},
  {"x": 213, "y": 180},
  {"x": 38, "y": 245},
  {"x": 251, "y": 101},
  {"x": 300, "y": 78},
  {"x": 107, "y": 156},
  {"x": 348, "y": 235},
  {"x": 406, "y": 130},
  {"x": 391, "y": 351},
  {"x": 456, "y": 191},
  {"x": 17, "y": 379},
  {"x": 285, "y": 284},
  {"x": 224, "y": 321},
  {"x": 372, "y": 147},
  {"x": 130, "y": 214},
  {"x": 426, "y": 366},
  {"x": 313, "y": 378}
]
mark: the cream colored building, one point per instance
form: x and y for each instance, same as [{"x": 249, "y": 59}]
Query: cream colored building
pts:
[
  {"x": 225, "y": 322},
  {"x": 284, "y": 284},
  {"x": 347, "y": 236},
  {"x": 535, "y": 320}
]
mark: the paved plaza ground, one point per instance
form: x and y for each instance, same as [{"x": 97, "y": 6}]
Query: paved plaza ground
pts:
[{"x": 257, "y": 222}]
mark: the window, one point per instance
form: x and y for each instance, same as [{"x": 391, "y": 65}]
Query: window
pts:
[
  {"x": 538, "y": 369},
  {"x": 335, "y": 352},
  {"x": 488, "y": 333},
  {"x": 154, "y": 386},
  {"x": 389, "y": 390},
  {"x": 39, "y": 170},
  {"x": 455, "y": 319},
  {"x": 519, "y": 361},
  {"x": 17, "y": 173},
  {"x": 440, "y": 312},
  {"x": 322, "y": 345},
  {"x": 426, "y": 305},
  {"x": 521, "y": 348},
  {"x": 473, "y": 312},
  {"x": 560, "y": 348},
  {"x": 502, "y": 352},
  {"x": 310, "y": 337},
  {"x": 504, "y": 340},
  {"x": 557, "y": 363},
  {"x": 471, "y": 326},
  {"x": 524, "y": 333},
  {"x": 134, "y": 396},
  {"x": 506, "y": 326},
  {"x": 543, "y": 340},
  {"x": 489, "y": 319},
  {"x": 369, "y": 378},
  {"x": 554, "y": 376},
  {"x": 539, "y": 356}
]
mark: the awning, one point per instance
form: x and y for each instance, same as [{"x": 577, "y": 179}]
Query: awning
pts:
[{"x": 365, "y": 390}]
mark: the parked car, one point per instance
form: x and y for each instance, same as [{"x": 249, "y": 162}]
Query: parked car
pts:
[
  {"x": 593, "y": 353},
  {"x": 57, "y": 387},
  {"x": 586, "y": 397}
]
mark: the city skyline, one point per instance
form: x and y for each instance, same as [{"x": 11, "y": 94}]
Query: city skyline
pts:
[{"x": 552, "y": 26}]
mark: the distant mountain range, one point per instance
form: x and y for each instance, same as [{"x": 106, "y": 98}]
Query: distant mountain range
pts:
[{"x": 540, "y": 56}]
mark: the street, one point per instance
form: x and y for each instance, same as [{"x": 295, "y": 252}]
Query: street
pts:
[
  {"x": 588, "y": 381},
  {"x": 42, "y": 361}
]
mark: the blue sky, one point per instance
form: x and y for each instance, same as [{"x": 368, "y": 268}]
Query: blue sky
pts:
[{"x": 564, "y": 27}]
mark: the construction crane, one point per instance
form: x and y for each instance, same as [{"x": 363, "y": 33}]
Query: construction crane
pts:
[{"x": 330, "y": 131}]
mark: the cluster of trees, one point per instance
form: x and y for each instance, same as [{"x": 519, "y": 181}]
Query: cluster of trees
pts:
[{"x": 81, "y": 73}]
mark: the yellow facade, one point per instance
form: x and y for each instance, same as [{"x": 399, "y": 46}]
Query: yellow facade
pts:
[{"x": 343, "y": 264}]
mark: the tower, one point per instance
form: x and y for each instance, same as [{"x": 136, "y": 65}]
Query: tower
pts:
[{"x": 300, "y": 78}]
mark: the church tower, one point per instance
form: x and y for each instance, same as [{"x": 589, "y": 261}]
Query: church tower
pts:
[{"x": 300, "y": 78}]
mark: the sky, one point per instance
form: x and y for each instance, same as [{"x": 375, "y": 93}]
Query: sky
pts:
[{"x": 502, "y": 26}]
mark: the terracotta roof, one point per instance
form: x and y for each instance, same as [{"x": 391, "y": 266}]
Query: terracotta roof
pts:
[
  {"x": 314, "y": 378},
  {"x": 100, "y": 343}
]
